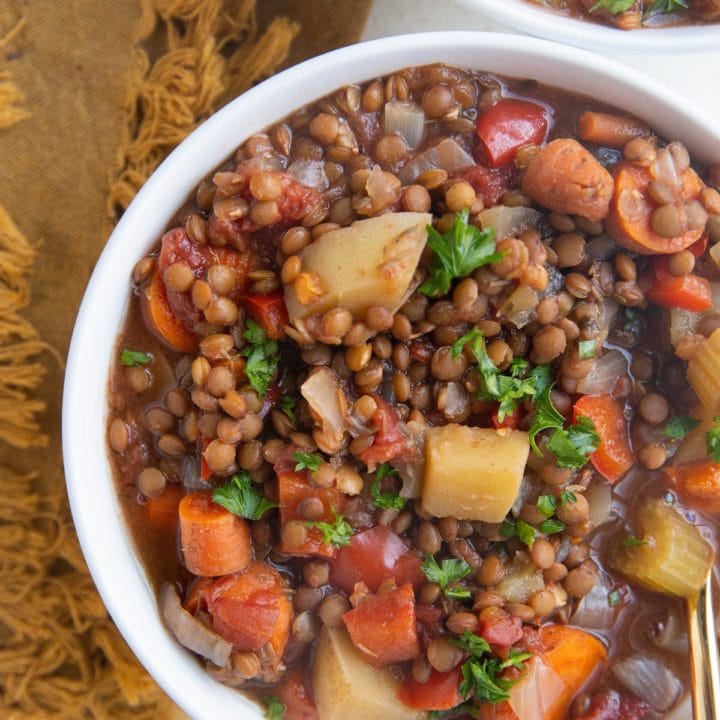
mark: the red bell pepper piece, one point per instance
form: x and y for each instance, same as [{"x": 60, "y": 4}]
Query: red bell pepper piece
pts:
[
  {"x": 384, "y": 627},
  {"x": 499, "y": 628},
  {"x": 689, "y": 292},
  {"x": 269, "y": 312},
  {"x": 440, "y": 692},
  {"x": 511, "y": 421},
  {"x": 613, "y": 457},
  {"x": 507, "y": 126}
]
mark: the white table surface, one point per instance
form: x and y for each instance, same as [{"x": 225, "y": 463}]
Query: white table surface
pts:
[{"x": 696, "y": 75}]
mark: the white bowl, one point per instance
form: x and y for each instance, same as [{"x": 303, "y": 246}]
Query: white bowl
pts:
[
  {"x": 532, "y": 19},
  {"x": 103, "y": 534}
]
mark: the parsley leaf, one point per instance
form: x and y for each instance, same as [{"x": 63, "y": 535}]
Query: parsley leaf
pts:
[
  {"x": 586, "y": 349},
  {"x": 712, "y": 440},
  {"x": 678, "y": 426},
  {"x": 567, "y": 497},
  {"x": 388, "y": 500},
  {"x": 262, "y": 358},
  {"x": 551, "y": 526},
  {"x": 274, "y": 709},
  {"x": 287, "y": 404},
  {"x": 472, "y": 643},
  {"x": 458, "y": 593},
  {"x": 446, "y": 573},
  {"x": 614, "y": 598},
  {"x": 307, "y": 460},
  {"x": 337, "y": 533},
  {"x": 631, "y": 541},
  {"x": 613, "y": 6},
  {"x": 516, "y": 658},
  {"x": 457, "y": 253},
  {"x": 547, "y": 505},
  {"x": 132, "y": 358},
  {"x": 520, "y": 529},
  {"x": 241, "y": 498},
  {"x": 573, "y": 446},
  {"x": 667, "y": 6},
  {"x": 466, "y": 708},
  {"x": 546, "y": 417}
]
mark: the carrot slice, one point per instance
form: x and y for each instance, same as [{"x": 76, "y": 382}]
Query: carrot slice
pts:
[
  {"x": 699, "y": 482},
  {"x": 162, "y": 511},
  {"x": 161, "y": 320},
  {"x": 689, "y": 292},
  {"x": 608, "y": 129},
  {"x": 613, "y": 457},
  {"x": 384, "y": 627},
  {"x": 214, "y": 541},
  {"x": 632, "y": 208},
  {"x": 251, "y": 609}
]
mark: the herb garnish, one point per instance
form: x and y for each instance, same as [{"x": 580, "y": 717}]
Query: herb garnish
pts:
[
  {"x": 274, "y": 709},
  {"x": 613, "y": 6},
  {"x": 660, "y": 7},
  {"x": 133, "y": 358},
  {"x": 241, "y": 498},
  {"x": 678, "y": 426},
  {"x": 446, "y": 574},
  {"x": 586, "y": 349},
  {"x": 287, "y": 404},
  {"x": 337, "y": 533},
  {"x": 630, "y": 541},
  {"x": 262, "y": 358},
  {"x": 306, "y": 460},
  {"x": 712, "y": 440},
  {"x": 387, "y": 500},
  {"x": 520, "y": 529},
  {"x": 614, "y": 598},
  {"x": 547, "y": 505},
  {"x": 457, "y": 252}
]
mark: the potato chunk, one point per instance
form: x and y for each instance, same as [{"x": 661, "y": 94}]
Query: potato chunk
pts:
[
  {"x": 371, "y": 262},
  {"x": 345, "y": 687},
  {"x": 473, "y": 473}
]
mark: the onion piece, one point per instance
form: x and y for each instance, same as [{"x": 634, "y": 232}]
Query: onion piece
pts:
[
  {"x": 519, "y": 306},
  {"x": 683, "y": 322},
  {"x": 683, "y": 710},
  {"x": 310, "y": 173},
  {"x": 412, "y": 468},
  {"x": 671, "y": 634},
  {"x": 407, "y": 119},
  {"x": 446, "y": 155},
  {"x": 649, "y": 680},
  {"x": 189, "y": 631},
  {"x": 599, "y": 497},
  {"x": 594, "y": 611},
  {"x": 327, "y": 402},
  {"x": 537, "y": 694},
  {"x": 380, "y": 190},
  {"x": 664, "y": 169},
  {"x": 601, "y": 247},
  {"x": 610, "y": 366},
  {"x": 509, "y": 221}
]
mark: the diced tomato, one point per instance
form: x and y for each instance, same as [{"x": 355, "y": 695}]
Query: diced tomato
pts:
[
  {"x": 384, "y": 627},
  {"x": 373, "y": 556},
  {"x": 511, "y": 421},
  {"x": 698, "y": 248},
  {"x": 613, "y": 457},
  {"x": 689, "y": 292},
  {"x": 610, "y": 705},
  {"x": 250, "y": 608},
  {"x": 293, "y": 488},
  {"x": 507, "y": 126},
  {"x": 489, "y": 184},
  {"x": 440, "y": 692},
  {"x": 196, "y": 595},
  {"x": 177, "y": 247},
  {"x": 389, "y": 440},
  {"x": 269, "y": 312},
  {"x": 498, "y": 627},
  {"x": 295, "y": 694},
  {"x": 699, "y": 482}
]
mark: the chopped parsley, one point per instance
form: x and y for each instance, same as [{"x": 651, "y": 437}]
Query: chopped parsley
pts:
[
  {"x": 614, "y": 598},
  {"x": 678, "y": 426},
  {"x": 337, "y": 533},
  {"x": 457, "y": 253},
  {"x": 712, "y": 440},
  {"x": 661, "y": 7},
  {"x": 567, "y": 497},
  {"x": 586, "y": 349},
  {"x": 262, "y": 358},
  {"x": 547, "y": 505},
  {"x": 241, "y": 498},
  {"x": 482, "y": 673},
  {"x": 551, "y": 526},
  {"x": 519, "y": 529},
  {"x": 573, "y": 447},
  {"x": 547, "y": 417},
  {"x": 307, "y": 460},
  {"x": 133, "y": 358},
  {"x": 508, "y": 390},
  {"x": 447, "y": 574},
  {"x": 613, "y": 6},
  {"x": 274, "y": 709},
  {"x": 287, "y": 404},
  {"x": 387, "y": 500},
  {"x": 630, "y": 541}
]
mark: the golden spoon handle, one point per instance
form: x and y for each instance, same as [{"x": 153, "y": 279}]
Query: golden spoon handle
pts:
[{"x": 704, "y": 654}]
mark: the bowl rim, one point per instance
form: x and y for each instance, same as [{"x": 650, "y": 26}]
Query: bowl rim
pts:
[
  {"x": 522, "y": 15},
  {"x": 104, "y": 536}
]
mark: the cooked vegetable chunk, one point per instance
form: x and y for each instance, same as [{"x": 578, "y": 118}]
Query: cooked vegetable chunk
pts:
[
  {"x": 566, "y": 178},
  {"x": 473, "y": 473},
  {"x": 672, "y": 556},
  {"x": 704, "y": 373},
  {"x": 371, "y": 262},
  {"x": 345, "y": 687}
]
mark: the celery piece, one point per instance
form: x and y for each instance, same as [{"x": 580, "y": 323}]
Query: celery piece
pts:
[
  {"x": 675, "y": 559},
  {"x": 703, "y": 373}
]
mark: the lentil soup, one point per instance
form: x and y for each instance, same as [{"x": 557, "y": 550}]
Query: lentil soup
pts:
[{"x": 414, "y": 409}]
